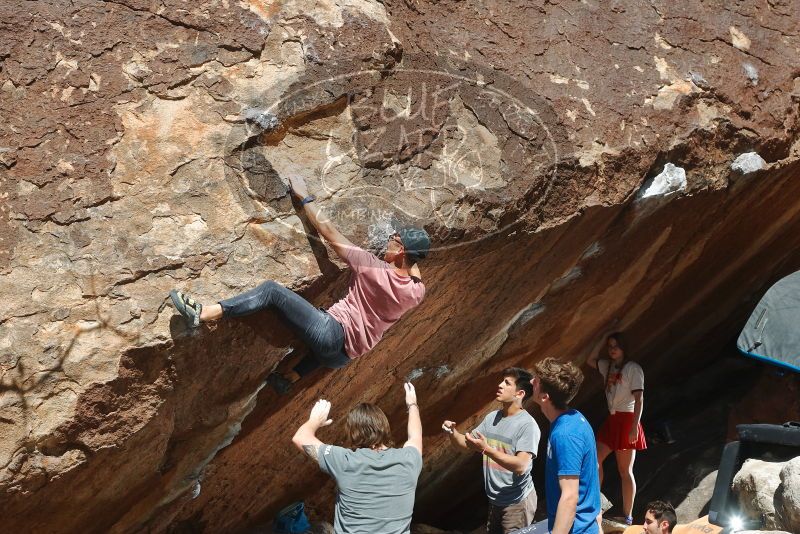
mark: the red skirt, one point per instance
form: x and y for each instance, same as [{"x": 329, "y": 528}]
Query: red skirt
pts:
[{"x": 615, "y": 433}]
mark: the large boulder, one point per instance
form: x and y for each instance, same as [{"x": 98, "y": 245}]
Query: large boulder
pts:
[
  {"x": 755, "y": 485},
  {"x": 787, "y": 497},
  {"x": 572, "y": 161},
  {"x": 696, "y": 501},
  {"x": 769, "y": 491}
]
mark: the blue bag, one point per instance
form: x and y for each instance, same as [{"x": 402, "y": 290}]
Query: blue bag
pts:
[{"x": 291, "y": 520}]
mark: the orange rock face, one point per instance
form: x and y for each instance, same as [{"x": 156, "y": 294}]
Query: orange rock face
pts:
[{"x": 573, "y": 162}]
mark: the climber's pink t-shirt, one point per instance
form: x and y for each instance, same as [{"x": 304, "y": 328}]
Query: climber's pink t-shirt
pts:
[{"x": 376, "y": 299}]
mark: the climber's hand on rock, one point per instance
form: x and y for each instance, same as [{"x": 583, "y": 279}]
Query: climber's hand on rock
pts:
[
  {"x": 298, "y": 185},
  {"x": 411, "y": 394},
  {"x": 319, "y": 414},
  {"x": 449, "y": 426}
]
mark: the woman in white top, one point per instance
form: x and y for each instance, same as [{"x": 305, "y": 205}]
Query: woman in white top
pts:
[{"x": 622, "y": 431}]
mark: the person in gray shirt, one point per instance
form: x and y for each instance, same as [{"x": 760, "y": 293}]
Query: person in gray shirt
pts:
[
  {"x": 375, "y": 482},
  {"x": 508, "y": 439}
]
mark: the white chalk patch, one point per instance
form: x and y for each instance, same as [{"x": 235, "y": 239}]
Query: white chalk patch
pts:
[
  {"x": 671, "y": 180},
  {"x": 748, "y": 162},
  {"x": 739, "y": 39},
  {"x": 442, "y": 370},
  {"x": 592, "y": 250},
  {"x": 569, "y": 276},
  {"x": 414, "y": 374},
  {"x": 555, "y": 78},
  {"x": 698, "y": 79},
  {"x": 525, "y": 315},
  {"x": 751, "y": 72}
]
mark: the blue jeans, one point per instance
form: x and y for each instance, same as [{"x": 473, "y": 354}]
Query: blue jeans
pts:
[{"x": 323, "y": 334}]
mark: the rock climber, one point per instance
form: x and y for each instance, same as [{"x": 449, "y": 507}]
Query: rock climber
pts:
[{"x": 380, "y": 292}]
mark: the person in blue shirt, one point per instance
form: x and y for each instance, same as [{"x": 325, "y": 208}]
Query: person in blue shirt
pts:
[{"x": 572, "y": 484}]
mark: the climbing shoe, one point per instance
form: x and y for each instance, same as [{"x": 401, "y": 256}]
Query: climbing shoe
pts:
[
  {"x": 188, "y": 307},
  {"x": 279, "y": 383}
]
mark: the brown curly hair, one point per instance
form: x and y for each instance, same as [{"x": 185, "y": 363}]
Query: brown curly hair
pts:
[
  {"x": 560, "y": 380},
  {"x": 367, "y": 426}
]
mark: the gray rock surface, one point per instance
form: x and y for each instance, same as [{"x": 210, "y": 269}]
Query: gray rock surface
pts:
[
  {"x": 748, "y": 162},
  {"x": 695, "y": 502},
  {"x": 755, "y": 485},
  {"x": 670, "y": 180},
  {"x": 770, "y": 490},
  {"x": 787, "y": 497}
]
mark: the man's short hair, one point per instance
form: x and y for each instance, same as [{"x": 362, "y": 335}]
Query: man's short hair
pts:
[
  {"x": 522, "y": 379},
  {"x": 663, "y": 511},
  {"x": 560, "y": 380},
  {"x": 366, "y": 427}
]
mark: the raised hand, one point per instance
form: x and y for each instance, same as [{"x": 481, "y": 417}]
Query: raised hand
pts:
[
  {"x": 319, "y": 414},
  {"x": 449, "y": 427},
  {"x": 411, "y": 394}
]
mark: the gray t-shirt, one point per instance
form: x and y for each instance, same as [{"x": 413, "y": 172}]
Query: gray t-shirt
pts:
[
  {"x": 375, "y": 488},
  {"x": 513, "y": 434}
]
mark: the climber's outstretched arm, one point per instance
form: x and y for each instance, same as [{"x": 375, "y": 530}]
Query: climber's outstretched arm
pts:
[
  {"x": 305, "y": 438},
  {"x": 414, "y": 421},
  {"x": 318, "y": 218}
]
